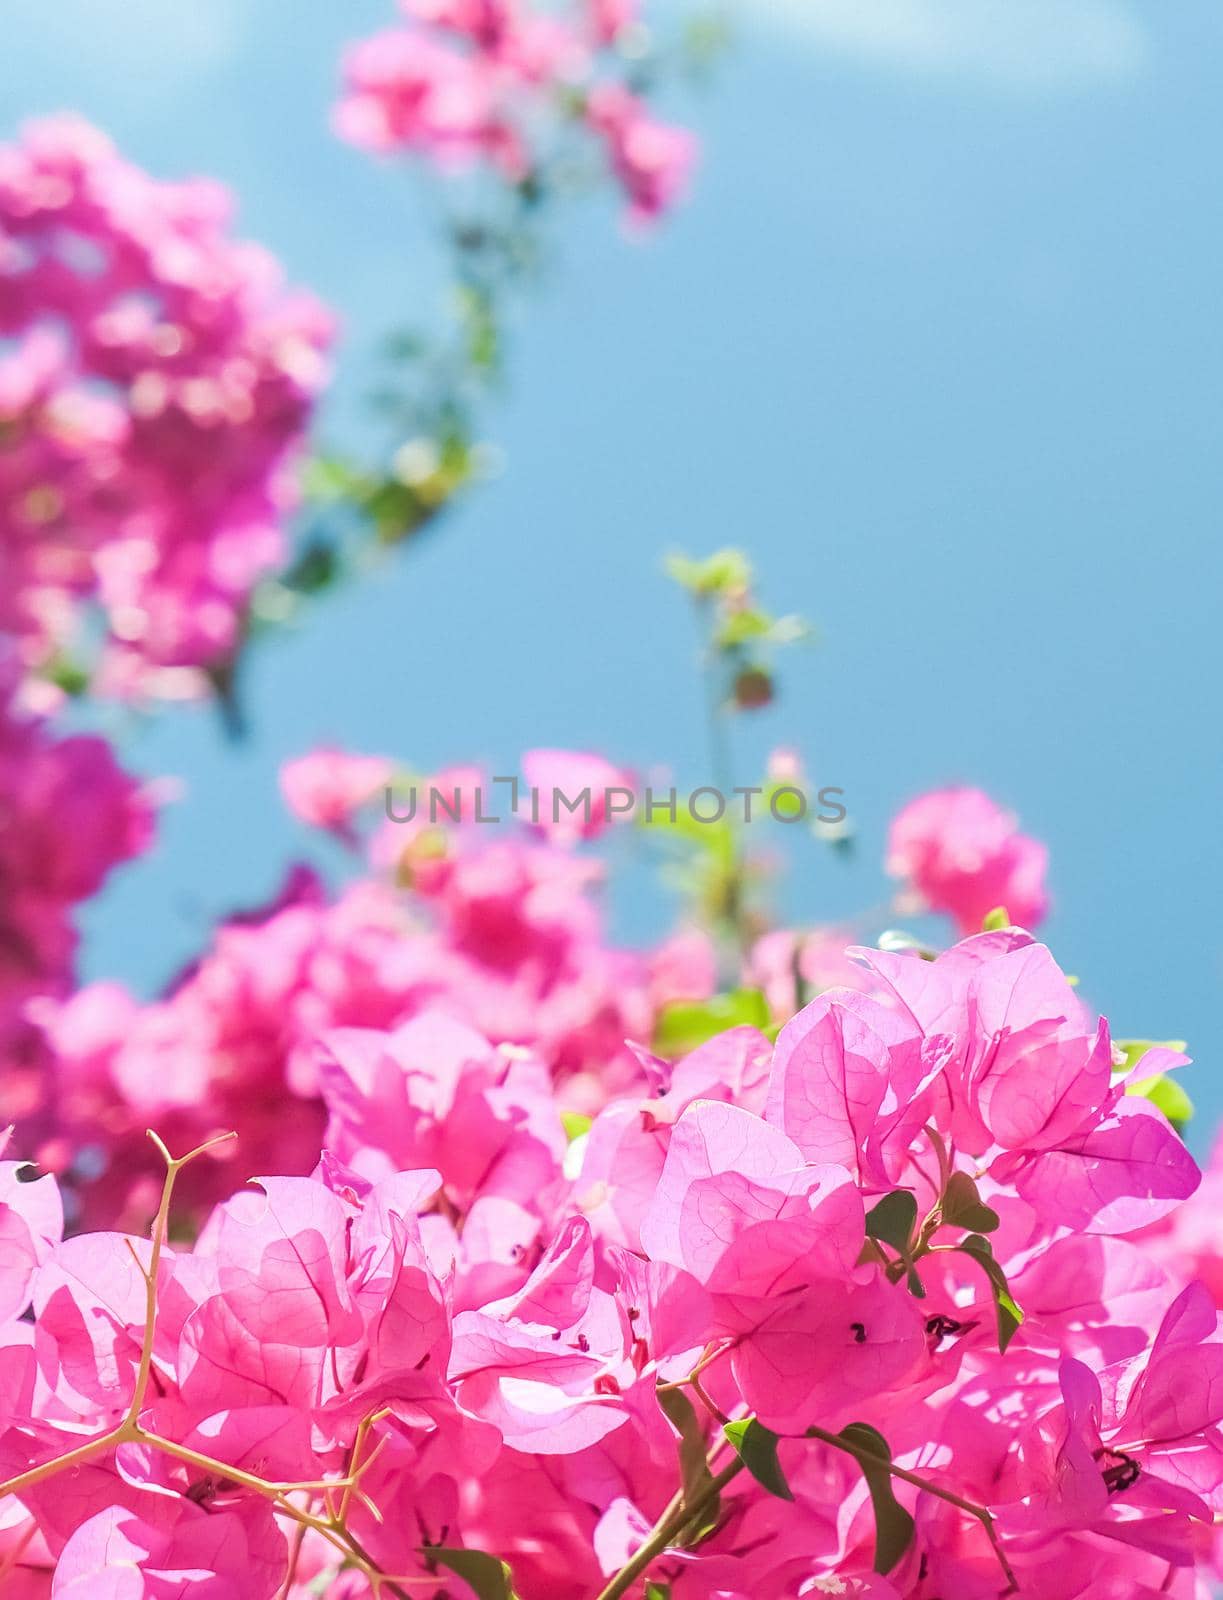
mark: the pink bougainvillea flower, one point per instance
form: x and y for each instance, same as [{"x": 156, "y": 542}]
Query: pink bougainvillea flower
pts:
[
  {"x": 527, "y": 1270},
  {"x": 1186, "y": 1241},
  {"x": 69, "y": 814},
  {"x": 851, "y": 1083},
  {"x": 838, "y": 1351},
  {"x": 569, "y": 791},
  {"x": 738, "y": 1206},
  {"x": 965, "y": 856},
  {"x": 327, "y": 787},
  {"x": 31, "y": 1227},
  {"x": 651, "y": 159},
  {"x": 791, "y": 968},
  {"x": 434, "y": 1093},
  {"x": 406, "y": 90},
  {"x": 1029, "y": 1083},
  {"x": 174, "y": 1547},
  {"x": 152, "y": 407},
  {"x": 504, "y": 82}
]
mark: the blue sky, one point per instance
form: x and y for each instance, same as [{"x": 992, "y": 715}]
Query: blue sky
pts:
[{"x": 937, "y": 339}]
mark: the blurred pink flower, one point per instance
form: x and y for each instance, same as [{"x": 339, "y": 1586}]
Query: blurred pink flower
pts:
[
  {"x": 653, "y": 160},
  {"x": 965, "y": 856},
  {"x": 328, "y": 786},
  {"x": 152, "y": 405}
]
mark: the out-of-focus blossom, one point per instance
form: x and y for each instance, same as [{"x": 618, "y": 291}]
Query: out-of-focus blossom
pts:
[
  {"x": 328, "y": 787},
  {"x": 965, "y": 856},
  {"x": 936, "y": 1215},
  {"x": 492, "y": 927},
  {"x": 1188, "y": 1242},
  {"x": 68, "y": 815},
  {"x": 571, "y": 791},
  {"x": 611, "y": 19},
  {"x": 153, "y": 395},
  {"x": 504, "y": 81},
  {"x": 408, "y": 91},
  {"x": 651, "y": 159},
  {"x": 793, "y": 967}
]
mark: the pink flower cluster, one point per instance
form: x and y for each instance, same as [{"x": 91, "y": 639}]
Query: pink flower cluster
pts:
[
  {"x": 858, "y": 1312},
  {"x": 68, "y": 815},
  {"x": 155, "y": 389},
  {"x": 496, "y": 927},
  {"x": 964, "y": 855},
  {"x": 465, "y": 81}
]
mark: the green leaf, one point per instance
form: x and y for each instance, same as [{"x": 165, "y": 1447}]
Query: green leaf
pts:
[
  {"x": 725, "y": 570},
  {"x": 693, "y": 1467},
  {"x": 741, "y": 626},
  {"x": 893, "y": 1220},
  {"x": 963, "y": 1207},
  {"x": 1010, "y": 1317},
  {"x": 681, "y": 1028},
  {"x": 996, "y": 920},
  {"x": 1160, "y": 1089},
  {"x": 491, "y": 1579},
  {"x": 327, "y": 479},
  {"x": 315, "y": 569},
  {"x": 783, "y": 800},
  {"x": 893, "y": 1524},
  {"x": 658, "y": 1591},
  {"x": 1167, "y": 1094},
  {"x": 575, "y": 1124},
  {"x": 68, "y": 676},
  {"x": 756, "y": 1447},
  {"x": 395, "y": 509},
  {"x": 695, "y": 1476},
  {"x": 715, "y": 838},
  {"x": 1135, "y": 1049}
]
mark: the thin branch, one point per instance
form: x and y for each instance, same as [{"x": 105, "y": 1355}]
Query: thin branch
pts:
[
  {"x": 667, "y": 1529},
  {"x": 970, "y": 1507},
  {"x": 130, "y": 1431}
]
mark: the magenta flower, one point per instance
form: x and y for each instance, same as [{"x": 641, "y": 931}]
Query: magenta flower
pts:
[
  {"x": 652, "y": 159},
  {"x": 964, "y": 855},
  {"x": 328, "y": 787},
  {"x": 153, "y": 404},
  {"x": 503, "y": 82}
]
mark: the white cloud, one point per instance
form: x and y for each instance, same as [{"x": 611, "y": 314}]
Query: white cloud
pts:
[{"x": 1026, "y": 44}]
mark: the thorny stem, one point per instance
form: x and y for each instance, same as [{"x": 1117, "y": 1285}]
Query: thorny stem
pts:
[
  {"x": 982, "y": 1515},
  {"x": 130, "y": 1431}
]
